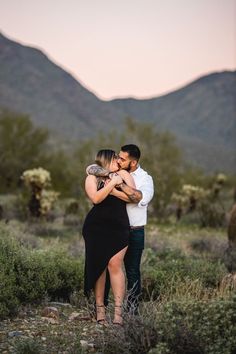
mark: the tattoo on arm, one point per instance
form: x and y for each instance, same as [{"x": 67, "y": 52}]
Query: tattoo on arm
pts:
[
  {"x": 135, "y": 197},
  {"x": 134, "y": 194},
  {"x": 97, "y": 171}
]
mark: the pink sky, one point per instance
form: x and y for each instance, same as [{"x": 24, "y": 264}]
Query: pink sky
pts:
[{"x": 137, "y": 48}]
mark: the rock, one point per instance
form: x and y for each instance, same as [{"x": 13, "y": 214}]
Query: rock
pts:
[
  {"x": 51, "y": 312},
  {"x": 74, "y": 316},
  {"x": 85, "y": 345},
  {"x": 15, "y": 334},
  {"x": 61, "y": 304},
  {"x": 22, "y": 314},
  {"x": 51, "y": 320},
  {"x": 77, "y": 316}
]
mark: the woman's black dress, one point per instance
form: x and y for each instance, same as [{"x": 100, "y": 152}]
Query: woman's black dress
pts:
[{"x": 106, "y": 232}]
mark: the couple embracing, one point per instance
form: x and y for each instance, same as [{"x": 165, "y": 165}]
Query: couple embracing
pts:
[{"x": 113, "y": 230}]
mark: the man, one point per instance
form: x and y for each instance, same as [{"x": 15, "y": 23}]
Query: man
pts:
[
  {"x": 137, "y": 211},
  {"x": 137, "y": 202}
]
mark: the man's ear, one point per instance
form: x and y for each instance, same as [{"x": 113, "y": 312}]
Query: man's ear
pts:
[{"x": 134, "y": 163}]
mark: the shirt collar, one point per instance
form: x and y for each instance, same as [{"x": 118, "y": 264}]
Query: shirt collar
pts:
[{"x": 137, "y": 171}]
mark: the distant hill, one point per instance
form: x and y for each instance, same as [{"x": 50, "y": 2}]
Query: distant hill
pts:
[
  {"x": 202, "y": 114},
  {"x": 33, "y": 84}
]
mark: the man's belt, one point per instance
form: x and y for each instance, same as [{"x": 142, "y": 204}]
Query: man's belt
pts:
[{"x": 136, "y": 227}]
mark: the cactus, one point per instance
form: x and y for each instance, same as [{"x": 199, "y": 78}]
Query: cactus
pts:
[
  {"x": 231, "y": 251},
  {"x": 180, "y": 202},
  {"x": 194, "y": 194},
  {"x": 232, "y": 228},
  {"x": 1, "y": 212},
  {"x": 41, "y": 199}
]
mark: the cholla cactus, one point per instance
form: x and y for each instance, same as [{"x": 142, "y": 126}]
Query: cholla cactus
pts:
[
  {"x": 230, "y": 258},
  {"x": 181, "y": 201},
  {"x": 219, "y": 182},
  {"x": 221, "y": 178},
  {"x": 38, "y": 176},
  {"x": 41, "y": 200},
  {"x": 47, "y": 200},
  {"x": 194, "y": 193}
]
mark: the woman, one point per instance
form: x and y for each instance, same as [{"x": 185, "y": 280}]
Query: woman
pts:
[{"x": 106, "y": 235}]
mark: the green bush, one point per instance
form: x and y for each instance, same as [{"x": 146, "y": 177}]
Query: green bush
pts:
[
  {"x": 28, "y": 346},
  {"x": 28, "y": 276},
  {"x": 211, "y": 214},
  {"x": 163, "y": 274},
  {"x": 8, "y": 300},
  {"x": 139, "y": 335},
  {"x": 193, "y": 327},
  {"x": 198, "y": 327}
]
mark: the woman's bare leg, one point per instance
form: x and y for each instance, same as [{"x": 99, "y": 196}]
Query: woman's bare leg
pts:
[
  {"x": 117, "y": 278},
  {"x": 99, "y": 296}
]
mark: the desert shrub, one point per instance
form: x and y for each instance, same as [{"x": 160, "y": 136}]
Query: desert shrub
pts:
[
  {"x": 173, "y": 327},
  {"x": 139, "y": 335},
  {"x": 8, "y": 297},
  {"x": 163, "y": 274},
  {"x": 46, "y": 229},
  {"x": 214, "y": 248},
  {"x": 211, "y": 213},
  {"x": 198, "y": 327},
  {"x": 72, "y": 208},
  {"x": 28, "y": 346},
  {"x": 21, "y": 146},
  {"x": 29, "y": 275},
  {"x": 72, "y": 221},
  {"x": 8, "y": 300}
]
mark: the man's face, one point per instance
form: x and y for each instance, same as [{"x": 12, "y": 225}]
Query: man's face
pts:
[{"x": 125, "y": 162}]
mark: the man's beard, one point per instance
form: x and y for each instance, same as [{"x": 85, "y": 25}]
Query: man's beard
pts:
[{"x": 128, "y": 168}]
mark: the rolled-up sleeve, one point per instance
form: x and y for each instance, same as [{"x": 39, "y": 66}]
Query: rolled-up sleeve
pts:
[{"x": 147, "y": 189}]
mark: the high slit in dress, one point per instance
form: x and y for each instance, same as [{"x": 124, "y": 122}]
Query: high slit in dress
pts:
[{"x": 106, "y": 232}]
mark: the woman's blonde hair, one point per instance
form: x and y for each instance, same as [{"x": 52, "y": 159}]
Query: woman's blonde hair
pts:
[{"x": 104, "y": 157}]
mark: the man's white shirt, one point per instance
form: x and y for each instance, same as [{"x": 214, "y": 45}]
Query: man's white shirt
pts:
[{"x": 137, "y": 213}]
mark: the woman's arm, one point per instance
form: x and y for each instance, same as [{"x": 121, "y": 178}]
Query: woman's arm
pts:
[
  {"x": 127, "y": 178},
  {"x": 119, "y": 194},
  {"x": 98, "y": 196}
]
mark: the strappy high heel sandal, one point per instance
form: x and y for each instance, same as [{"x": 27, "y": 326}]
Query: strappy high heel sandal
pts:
[
  {"x": 100, "y": 312},
  {"x": 118, "y": 313}
]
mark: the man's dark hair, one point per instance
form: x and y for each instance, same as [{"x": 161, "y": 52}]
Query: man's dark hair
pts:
[{"x": 132, "y": 150}]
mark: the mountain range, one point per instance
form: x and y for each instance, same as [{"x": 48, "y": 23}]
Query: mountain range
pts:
[{"x": 202, "y": 114}]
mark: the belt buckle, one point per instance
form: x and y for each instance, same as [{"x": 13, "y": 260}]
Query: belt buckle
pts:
[{"x": 136, "y": 227}]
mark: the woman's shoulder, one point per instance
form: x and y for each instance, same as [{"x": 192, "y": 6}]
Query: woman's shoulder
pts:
[
  {"x": 91, "y": 178},
  {"x": 123, "y": 173}
]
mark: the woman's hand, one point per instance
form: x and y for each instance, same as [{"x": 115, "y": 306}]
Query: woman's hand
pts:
[
  {"x": 116, "y": 179},
  {"x": 127, "y": 178}
]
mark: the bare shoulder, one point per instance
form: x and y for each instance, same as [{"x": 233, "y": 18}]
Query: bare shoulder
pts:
[
  {"x": 90, "y": 179},
  {"x": 127, "y": 177},
  {"x": 123, "y": 173}
]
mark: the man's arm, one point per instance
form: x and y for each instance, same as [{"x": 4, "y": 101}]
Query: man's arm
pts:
[
  {"x": 97, "y": 171},
  {"x": 133, "y": 194},
  {"x": 141, "y": 196},
  {"x": 121, "y": 195}
]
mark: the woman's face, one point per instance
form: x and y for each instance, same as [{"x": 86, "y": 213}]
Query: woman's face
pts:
[{"x": 114, "y": 165}]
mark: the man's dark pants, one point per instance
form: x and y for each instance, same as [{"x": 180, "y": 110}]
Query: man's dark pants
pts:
[{"x": 132, "y": 262}]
